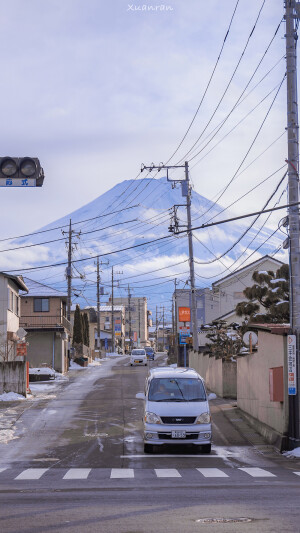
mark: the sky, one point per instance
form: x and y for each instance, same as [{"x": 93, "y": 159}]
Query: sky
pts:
[{"x": 96, "y": 88}]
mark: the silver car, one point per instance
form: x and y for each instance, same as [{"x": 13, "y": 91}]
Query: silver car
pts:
[{"x": 176, "y": 409}]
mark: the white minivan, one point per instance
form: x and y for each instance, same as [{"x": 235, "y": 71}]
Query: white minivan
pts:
[
  {"x": 138, "y": 356},
  {"x": 176, "y": 409}
]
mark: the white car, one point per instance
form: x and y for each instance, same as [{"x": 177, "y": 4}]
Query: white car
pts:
[
  {"x": 176, "y": 409},
  {"x": 138, "y": 357}
]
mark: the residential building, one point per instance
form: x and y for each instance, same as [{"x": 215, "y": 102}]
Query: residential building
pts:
[
  {"x": 137, "y": 320},
  {"x": 43, "y": 316},
  {"x": 106, "y": 327},
  {"x": 10, "y": 314},
  {"x": 228, "y": 291}
]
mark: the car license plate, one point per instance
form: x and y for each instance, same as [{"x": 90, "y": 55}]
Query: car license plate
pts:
[
  {"x": 137, "y": 361},
  {"x": 178, "y": 434}
]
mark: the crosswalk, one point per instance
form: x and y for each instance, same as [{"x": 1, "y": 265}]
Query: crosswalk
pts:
[{"x": 83, "y": 474}]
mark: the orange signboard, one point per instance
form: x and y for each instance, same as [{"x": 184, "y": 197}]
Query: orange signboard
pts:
[{"x": 184, "y": 314}]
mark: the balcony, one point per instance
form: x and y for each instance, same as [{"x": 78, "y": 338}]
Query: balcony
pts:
[{"x": 46, "y": 322}]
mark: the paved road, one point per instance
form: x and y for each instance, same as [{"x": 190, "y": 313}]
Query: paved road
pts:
[{"x": 78, "y": 464}]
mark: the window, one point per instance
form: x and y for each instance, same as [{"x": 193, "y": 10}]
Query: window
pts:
[
  {"x": 41, "y": 305},
  {"x": 13, "y": 302}
]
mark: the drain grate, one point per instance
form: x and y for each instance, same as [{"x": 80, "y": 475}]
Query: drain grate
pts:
[{"x": 222, "y": 520}]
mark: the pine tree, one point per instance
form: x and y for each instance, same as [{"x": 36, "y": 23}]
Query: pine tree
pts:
[
  {"x": 271, "y": 292},
  {"x": 86, "y": 335},
  {"x": 77, "y": 328},
  {"x": 225, "y": 339}
]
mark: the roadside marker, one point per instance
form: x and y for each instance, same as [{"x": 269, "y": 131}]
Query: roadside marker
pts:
[
  {"x": 167, "y": 472},
  {"x": 122, "y": 473},
  {"x": 257, "y": 472},
  {"x": 77, "y": 473},
  {"x": 32, "y": 473},
  {"x": 212, "y": 472}
]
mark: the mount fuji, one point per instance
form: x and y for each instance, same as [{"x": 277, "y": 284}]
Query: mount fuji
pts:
[{"x": 123, "y": 226}]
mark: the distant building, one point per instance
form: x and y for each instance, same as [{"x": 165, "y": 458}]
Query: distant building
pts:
[
  {"x": 43, "y": 316},
  {"x": 106, "y": 327},
  {"x": 137, "y": 320}
]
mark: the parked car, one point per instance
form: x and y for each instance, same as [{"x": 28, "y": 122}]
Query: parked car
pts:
[
  {"x": 150, "y": 353},
  {"x": 138, "y": 357},
  {"x": 176, "y": 409}
]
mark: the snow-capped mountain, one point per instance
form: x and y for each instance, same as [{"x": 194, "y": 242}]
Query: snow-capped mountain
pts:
[{"x": 136, "y": 213}]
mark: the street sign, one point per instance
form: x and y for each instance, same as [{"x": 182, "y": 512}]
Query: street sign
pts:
[
  {"x": 184, "y": 314},
  {"x": 184, "y": 333},
  {"x": 292, "y": 375},
  {"x": 21, "y": 349}
]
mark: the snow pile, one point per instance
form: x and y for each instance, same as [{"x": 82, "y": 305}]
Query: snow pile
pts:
[
  {"x": 11, "y": 397},
  {"x": 43, "y": 370},
  {"x": 292, "y": 453}
]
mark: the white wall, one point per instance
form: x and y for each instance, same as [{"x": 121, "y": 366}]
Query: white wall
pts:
[{"x": 253, "y": 395}]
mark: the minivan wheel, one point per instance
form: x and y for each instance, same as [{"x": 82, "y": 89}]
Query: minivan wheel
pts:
[
  {"x": 148, "y": 448},
  {"x": 206, "y": 448}
]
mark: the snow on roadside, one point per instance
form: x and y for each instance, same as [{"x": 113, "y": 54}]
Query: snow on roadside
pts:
[
  {"x": 11, "y": 397},
  {"x": 292, "y": 453}
]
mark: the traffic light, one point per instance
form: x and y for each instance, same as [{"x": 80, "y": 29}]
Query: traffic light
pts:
[{"x": 21, "y": 168}]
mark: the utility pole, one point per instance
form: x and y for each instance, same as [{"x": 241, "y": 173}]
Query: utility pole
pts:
[
  {"x": 156, "y": 328},
  {"x": 175, "y": 320},
  {"x": 186, "y": 192},
  {"x": 292, "y": 13},
  {"x": 191, "y": 260},
  {"x": 98, "y": 306},
  {"x": 129, "y": 318},
  {"x": 163, "y": 328},
  {"x": 139, "y": 311},
  {"x": 69, "y": 273},
  {"x": 113, "y": 343}
]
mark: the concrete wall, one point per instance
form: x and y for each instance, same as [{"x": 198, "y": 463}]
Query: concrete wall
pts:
[
  {"x": 253, "y": 394},
  {"x": 220, "y": 376},
  {"x": 13, "y": 377},
  {"x": 40, "y": 350}
]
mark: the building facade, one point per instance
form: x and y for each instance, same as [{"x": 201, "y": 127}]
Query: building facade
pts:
[
  {"x": 137, "y": 320},
  {"x": 105, "y": 341},
  {"x": 43, "y": 316},
  {"x": 10, "y": 315}
]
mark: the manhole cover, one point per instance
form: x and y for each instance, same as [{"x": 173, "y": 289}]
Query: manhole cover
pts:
[{"x": 222, "y": 520}]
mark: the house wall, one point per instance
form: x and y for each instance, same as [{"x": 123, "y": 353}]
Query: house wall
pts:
[
  {"x": 55, "y": 306},
  {"x": 40, "y": 350},
  {"x": 230, "y": 291},
  {"x": 253, "y": 394}
]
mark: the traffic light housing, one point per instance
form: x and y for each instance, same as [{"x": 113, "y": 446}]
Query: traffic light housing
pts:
[{"x": 24, "y": 168}]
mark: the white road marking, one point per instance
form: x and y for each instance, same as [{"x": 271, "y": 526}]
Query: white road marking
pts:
[
  {"x": 32, "y": 473},
  {"x": 199, "y": 456},
  {"x": 122, "y": 473},
  {"x": 212, "y": 472},
  {"x": 2, "y": 469},
  {"x": 257, "y": 472},
  {"x": 297, "y": 473},
  {"x": 77, "y": 473},
  {"x": 167, "y": 472}
]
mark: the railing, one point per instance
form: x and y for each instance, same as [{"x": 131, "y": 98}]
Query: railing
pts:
[{"x": 45, "y": 321}]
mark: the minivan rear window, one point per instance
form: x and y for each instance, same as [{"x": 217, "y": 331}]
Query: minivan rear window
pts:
[{"x": 176, "y": 389}]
